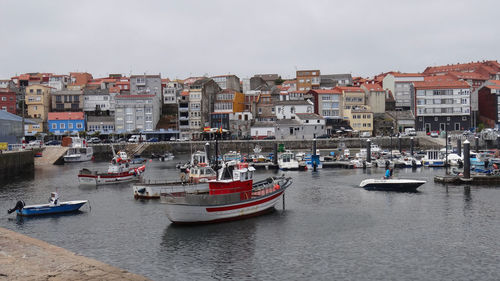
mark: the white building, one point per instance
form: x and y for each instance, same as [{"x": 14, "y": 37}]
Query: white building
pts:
[
  {"x": 400, "y": 86},
  {"x": 303, "y": 126},
  {"x": 136, "y": 112},
  {"x": 98, "y": 99},
  {"x": 288, "y": 109},
  {"x": 262, "y": 130},
  {"x": 59, "y": 82}
]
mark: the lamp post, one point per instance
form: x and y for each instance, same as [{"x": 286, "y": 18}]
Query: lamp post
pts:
[
  {"x": 446, "y": 162},
  {"x": 392, "y": 130}
]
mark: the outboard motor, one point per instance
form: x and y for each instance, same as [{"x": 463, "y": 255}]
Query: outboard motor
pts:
[
  {"x": 19, "y": 206},
  {"x": 460, "y": 163},
  {"x": 387, "y": 164},
  {"x": 364, "y": 164},
  {"x": 413, "y": 164}
]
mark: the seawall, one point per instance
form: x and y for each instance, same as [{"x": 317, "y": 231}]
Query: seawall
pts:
[
  {"x": 26, "y": 258},
  {"x": 13, "y": 164},
  {"x": 104, "y": 152}
]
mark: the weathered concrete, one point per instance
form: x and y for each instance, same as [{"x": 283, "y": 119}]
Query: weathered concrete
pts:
[
  {"x": 103, "y": 151},
  {"x": 51, "y": 155},
  {"x": 16, "y": 163},
  {"x": 26, "y": 258}
]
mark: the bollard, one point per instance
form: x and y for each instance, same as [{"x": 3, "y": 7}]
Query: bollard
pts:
[
  {"x": 477, "y": 144},
  {"x": 459, "y": 147},
  {"x": 466, "y": 159},
  {"x": 368, "y": 151},
  {"x": 314, "y": 147},
  {"x": 399, "y": 144},
  {"x": 207, "y": 152},
  {"x": 275, "y": 155},
  {"x": 411, "y": 146}
]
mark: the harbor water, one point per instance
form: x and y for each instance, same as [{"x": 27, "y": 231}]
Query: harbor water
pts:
[{"x": 330, "y": 230}]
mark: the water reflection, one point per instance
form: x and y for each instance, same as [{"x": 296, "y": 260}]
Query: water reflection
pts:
[{"x": 231, "y": 248}]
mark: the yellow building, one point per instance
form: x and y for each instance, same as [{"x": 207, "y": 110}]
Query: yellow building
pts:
[
  {"x": 37, "y": 100},
  {"x": 33, "y": 129},
  {"x": 352, "y": 96},
  {"x": 360, "y": 118}
]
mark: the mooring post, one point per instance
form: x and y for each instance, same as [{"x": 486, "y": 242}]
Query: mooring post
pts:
[
  {"x": 411, "y": 146},
  {"x": 207, "y": 152},
  {"x": 368, "y": 151},
  {"x": 466, "y": 159},
  {"x": 459, "y": 147},
  {"x": 313, "y": 158},
  {"x": 477, "y": 144},
  {"x": 283, "y": 200},
  {"x": 275, "y": 156}
]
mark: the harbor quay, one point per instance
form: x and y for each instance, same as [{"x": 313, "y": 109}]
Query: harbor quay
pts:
[{"x": 26, "y": 258}]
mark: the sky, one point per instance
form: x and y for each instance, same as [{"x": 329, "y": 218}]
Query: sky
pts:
[{"x": 194, "y": 38}]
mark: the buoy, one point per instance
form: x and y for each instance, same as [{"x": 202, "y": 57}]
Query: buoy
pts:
[{"x": 276, "y": 186}]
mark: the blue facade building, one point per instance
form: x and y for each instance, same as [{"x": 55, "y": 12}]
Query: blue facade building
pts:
[{"x": 60, "y": 123}]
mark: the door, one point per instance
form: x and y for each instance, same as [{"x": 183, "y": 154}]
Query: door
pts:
[
  {"x": 442, "y": 127},
  {"x": 427, "y": 127}
]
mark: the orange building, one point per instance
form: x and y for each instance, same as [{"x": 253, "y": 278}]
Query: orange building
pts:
[{"x": 308, "y": 79}]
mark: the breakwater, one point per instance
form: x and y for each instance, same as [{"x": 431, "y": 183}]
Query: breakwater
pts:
[
  {"x": 104, "y": 152},
  {"x": 14, "y": 164}
]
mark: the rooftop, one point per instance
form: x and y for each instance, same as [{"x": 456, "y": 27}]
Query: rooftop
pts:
[
  {"x": 4, "y": 115},
  {"x": 288, "y": 122},
  {"x": 441, "y": 84},
  {"x": 309, "y": 116},
  {"x": 336, "y": 91},
  {"x": 66, "y": 116},
  {"x": 293, "y": 102}
]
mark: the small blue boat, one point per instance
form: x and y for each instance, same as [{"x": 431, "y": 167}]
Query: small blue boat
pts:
[{"x": 54, "y": 207}]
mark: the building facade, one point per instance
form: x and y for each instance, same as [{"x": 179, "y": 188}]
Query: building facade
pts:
[
  {"x": 38, "y": 103},
  {"x": 289, "y": 109},
  {"x": 103, "y": 124},
  {"x": 308, "y": 79},
  {"x": 62, "y": 123},
  {"x": 8, "y": 100},
  {"x": 442, "y": 105},
  {"x": 230, "y": 82},
  {"x": 136, "y": 112},
  {"x": 303, "y": 126},
  {"x": 375, "y": 97},
  {"x": 67, "y": 100},
  {"x": 98, "y": 100},
  {"x": 328, "y": 103},
  {"x": 360, "y": 118},
  {"x": 146, "y": 85},
  {"x": 400, "y": 86},
  {"x": 489, "y": 103}
]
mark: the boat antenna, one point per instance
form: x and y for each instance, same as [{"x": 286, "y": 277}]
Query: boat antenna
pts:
[{"x": 216, "y": 154}]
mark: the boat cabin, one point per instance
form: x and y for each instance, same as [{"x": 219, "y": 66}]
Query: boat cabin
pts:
[
  {"x": 201, "y": 173},
  {"x": 233, "y": 179},
  {"x": 287, "y": 156},
  {"x": 199, "y": 157}
]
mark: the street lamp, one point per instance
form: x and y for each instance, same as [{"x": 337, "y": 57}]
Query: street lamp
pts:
[{"x": 392, "y": 130}]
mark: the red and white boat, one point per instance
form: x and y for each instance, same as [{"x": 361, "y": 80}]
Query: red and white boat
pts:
[
  {"x": 119, "y": 170},
  {"x": 232, "y": 196}
]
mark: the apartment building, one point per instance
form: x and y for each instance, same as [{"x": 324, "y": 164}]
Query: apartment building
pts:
[
  {"x": 303, "y": 126},
  {"x": 328, "y": 103},
  {"x": 231, "y": 82},
  {"x": 146, "y": 85},
  {"x": 227, "y": 103},
  {"x": 38, "y": 102},
  {"x": 308, "y": 79},
  {"x": 489, "y": 104},
  {"x": 442, "y": 104},
  {"x": 288, "y": 109},
  {"x": 7, "y": 100},
  {"x": 136, "y": 112},
  {"x": 67, "y": 100},
  {"x": 375, "y": 97},
  {"x": 360, "y": 118},
  {"x": 400, "y": 86}
]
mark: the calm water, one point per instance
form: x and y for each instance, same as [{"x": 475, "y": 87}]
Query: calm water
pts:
[{"x": 331, "y": 230}]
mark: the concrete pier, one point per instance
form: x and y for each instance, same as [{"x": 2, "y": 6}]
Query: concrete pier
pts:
[
  {"x": 26, "y": 258},
  {"x": 13, "y": 164}
]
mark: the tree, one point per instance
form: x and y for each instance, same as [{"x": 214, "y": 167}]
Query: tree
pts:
[
  {"x": 279, "y": 81},
  {"x": 96, "y": 134},
  {"x": 82, "y": 134}
]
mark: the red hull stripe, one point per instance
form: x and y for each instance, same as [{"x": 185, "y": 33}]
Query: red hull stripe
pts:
[
  {"x": 105, "y": 176},
  {"x": 249, "y": 204}
]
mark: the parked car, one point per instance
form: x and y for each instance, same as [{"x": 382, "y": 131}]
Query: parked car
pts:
[
  {"x": 95, "y": 140},
  {"x": 53, "y": 142},
  {"x": 365, "y": 134},
  {"x": 153, "y": 140},
  {"x": 434, "y": 134},
  {"x": 325, "y": 136},
  {"x": 35, "y": 143},
  {"x": 270, "y": 138},
  {"x": 121, "y": 140},
  {"x": 137, "y": 138},
  {"x": 182, "y": 139},
  {"x": 107, "y": 141}
]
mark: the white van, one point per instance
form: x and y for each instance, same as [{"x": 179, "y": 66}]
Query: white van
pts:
[
  {"x": 137, "y": 138},
  {"x": 410, "y": 132}
]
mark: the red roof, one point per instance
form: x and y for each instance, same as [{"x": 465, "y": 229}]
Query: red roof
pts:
[
  {"x": 336, "y": 91},
  {"x": 134, "y": 96},
  {"x": 441, "y": 84},
  {"x": 491, "y": 67},
  {"x": 350, "y": 89},
  {"x": 185, "y": 94},
  {"x": 399, "y": 74},
  {"x": 66, "y": 116},
  {"x": 495, "y": 85},
  {"x": 469, "y": 75},
  {"x": 372, "y": 86}
]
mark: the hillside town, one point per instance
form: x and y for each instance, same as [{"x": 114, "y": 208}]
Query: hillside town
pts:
[{"x": 313, "y": 104}]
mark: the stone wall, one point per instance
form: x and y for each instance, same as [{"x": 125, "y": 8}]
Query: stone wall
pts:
[{"x": 13, "y": 164}]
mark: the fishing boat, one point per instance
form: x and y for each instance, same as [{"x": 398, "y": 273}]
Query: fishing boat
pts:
[
  {"x": 232, "y": 196},
  {"x": 383, "y": 163},
  {"x": 287, "y": 161},
  {"x": 408, "y": 162},
  {"x": 360, "y": 163},
  {"x": 156, "y": 189},
  {"x": 119, "y": 170},
  {"x": 79, "y": 151},
  {"x": 53, "y": 207},
  {"x": 433, "y": 158},
  {"x": 391, "y": 184}
]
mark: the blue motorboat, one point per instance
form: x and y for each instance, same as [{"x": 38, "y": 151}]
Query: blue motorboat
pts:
[{"x": 53, "y": 207}]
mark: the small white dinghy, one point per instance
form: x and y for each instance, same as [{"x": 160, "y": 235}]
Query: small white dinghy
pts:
[{"x": 392, "y": 184}]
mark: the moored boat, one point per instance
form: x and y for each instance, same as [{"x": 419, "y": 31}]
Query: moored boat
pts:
[
  {"x": 232, "y": 196},
  {"x": 391, "y": 184},
  {"x": 79, "y": 151},
  {"x": 53, "y": 207},
  {"x": 119, "y": 170}
]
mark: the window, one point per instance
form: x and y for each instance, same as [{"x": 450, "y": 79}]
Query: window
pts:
[
  {"x": 464, "y": 118},
  {"x": 38, "y": 91},
  {"x": 79, "y": 125},
  {"x": 70, "y": 125},
  {"x": 62, "y": 126},
  {"x": 4, "y": 98},
  {"x": 54, "y": 126}
]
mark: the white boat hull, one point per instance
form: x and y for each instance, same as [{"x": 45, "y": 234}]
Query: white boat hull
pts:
[
  {"x": 100, "y": 180},
  {"x": 191, "y": 214},
  {"x": 77, "y": 158},
  {"x": 147, "y": 191}
]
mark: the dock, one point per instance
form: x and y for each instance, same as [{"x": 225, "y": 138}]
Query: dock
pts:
[
  {"x": 338, "y": 164},
  {"x": 26, "y": 258},
  {"x": 474, "y": 179}
]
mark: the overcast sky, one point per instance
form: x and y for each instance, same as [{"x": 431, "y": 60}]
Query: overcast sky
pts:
[{"x": 191, "y": 38}]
